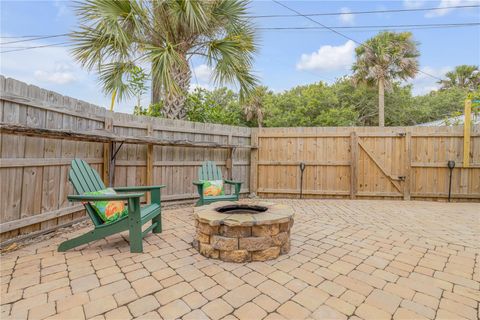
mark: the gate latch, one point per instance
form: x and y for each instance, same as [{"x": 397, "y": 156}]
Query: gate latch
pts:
[{"x": 401, "y": 178}]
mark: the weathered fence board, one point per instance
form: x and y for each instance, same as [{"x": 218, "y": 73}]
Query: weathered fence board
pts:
[
  {"x": 367, "y": 162},
  {"x": 360, "y": 162},
  {"x": 34, "y": 169}
]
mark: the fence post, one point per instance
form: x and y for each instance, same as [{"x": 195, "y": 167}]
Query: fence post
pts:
[
  {"x": 466, "y": 133},
  {"x": 353, "y": 164},
  {"x": 229, "y": 160},
  {"x": 107, "y": 153},
  {"x": 254, "y": 161},
  {"x": 149, "y": 171},
  {"x": 408, "y": 165}
]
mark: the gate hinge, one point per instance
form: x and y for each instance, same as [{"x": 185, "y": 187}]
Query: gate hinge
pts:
[{"x": 402, "y": 134}]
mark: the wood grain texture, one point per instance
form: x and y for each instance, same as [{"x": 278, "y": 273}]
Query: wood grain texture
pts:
[
  {"x": 42, "y": 131},
  {"x": 390, "y": 162}
]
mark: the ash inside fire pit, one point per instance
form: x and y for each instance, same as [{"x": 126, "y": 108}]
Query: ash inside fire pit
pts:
[{"x": 241, "y": 208}]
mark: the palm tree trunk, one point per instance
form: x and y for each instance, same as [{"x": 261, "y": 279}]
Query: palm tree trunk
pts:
[
  {"x": 174, "y": 102},
  {"x": 381, "y": 102},
  {"x": 114, "y": 95},
  {"x": 260, "y": 117}
]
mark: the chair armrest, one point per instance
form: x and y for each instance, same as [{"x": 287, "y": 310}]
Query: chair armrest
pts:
[
  {"x": 138, "y": 188},
  {"x": 199, "y": 185},
  {"x": 237, "y": 184},
  {"x": 103, "y": 197},
  {"x": 232, "y": 182}
]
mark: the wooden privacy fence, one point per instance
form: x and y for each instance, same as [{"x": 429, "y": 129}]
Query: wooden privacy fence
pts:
[
  {"x": 365, "y": 162},
  {"x": 42, "y": 131}
]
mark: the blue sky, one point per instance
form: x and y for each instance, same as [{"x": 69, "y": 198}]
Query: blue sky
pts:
[{"x": 286, "y": 57}]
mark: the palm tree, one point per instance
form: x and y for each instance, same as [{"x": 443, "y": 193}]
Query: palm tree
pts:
[
  {"x": 383, "y": 59},
  {"x": 253, "y": 105},
  {"x": 115, "y": 37},
  {"x": 463, "y": 76}
]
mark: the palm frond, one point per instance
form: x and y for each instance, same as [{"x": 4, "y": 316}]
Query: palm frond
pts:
[
  {"x": 166, "y": 62},
  {"x": 114, "y": 77},
  {"x": 109, "y": 32},
  {"x": 191, "y": 14},
  {"x": 387, "y": 56}
]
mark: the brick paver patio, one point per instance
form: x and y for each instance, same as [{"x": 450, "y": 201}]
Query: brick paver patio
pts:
[{"x": 357, "y": 259}]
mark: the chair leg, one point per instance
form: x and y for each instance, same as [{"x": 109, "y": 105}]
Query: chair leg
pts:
[
  {"x": 135, "y": 226},
  {"x": 158, "y": 220},
  {"x": 136, "y": 239}
]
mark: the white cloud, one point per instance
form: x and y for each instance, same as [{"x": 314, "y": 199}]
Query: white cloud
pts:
[
  {"x": 413, "y": 4},
  {"x": 329, "y": 58},
  {"x": 203, "y": 73},
  {"x": 61, "y": 74},
  {"x": 346, "y": 17},
  {"x": 194, "y": 86},
  {"x": 448, "y": 3},
  {"x": 423, "y": 83},
  {"x": 37, "y": 66},
  {"x": 53, "y": 68}
]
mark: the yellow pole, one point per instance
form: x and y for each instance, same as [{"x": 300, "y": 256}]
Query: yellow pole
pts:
[
  {"x": 466, "y": 133},
  {"x": 114, "y": 94}
]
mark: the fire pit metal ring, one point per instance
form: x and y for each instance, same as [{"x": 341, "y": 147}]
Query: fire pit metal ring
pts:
[{"x": 241, "y": 208}]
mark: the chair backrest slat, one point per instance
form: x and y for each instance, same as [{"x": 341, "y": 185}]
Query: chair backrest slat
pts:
[
  {"x": 219, "y": 173},
  {"x": 85, "y": 179},
  {"x": 209, "y": 171},
  {"x": 86, "y": 176},
  {"x": 92, "y": 177},
  {"x": 203, "y": 172}
]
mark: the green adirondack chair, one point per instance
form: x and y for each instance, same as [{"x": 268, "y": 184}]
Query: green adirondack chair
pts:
[
  {"x": 85, "y": 179},
  {"x": 210, "y": 171}
]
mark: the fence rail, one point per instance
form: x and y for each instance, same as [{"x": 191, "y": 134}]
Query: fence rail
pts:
[
  {"x": 366, "y": 162},
  {"x": 42, "y": 131}
]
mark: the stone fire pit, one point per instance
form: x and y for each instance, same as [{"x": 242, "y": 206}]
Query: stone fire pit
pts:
[{"x": 243, "y": 231}]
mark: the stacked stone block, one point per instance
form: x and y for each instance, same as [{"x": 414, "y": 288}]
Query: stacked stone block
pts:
[{"x": 243, "y": 243}]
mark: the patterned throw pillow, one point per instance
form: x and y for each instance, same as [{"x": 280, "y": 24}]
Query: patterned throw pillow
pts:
[
  {"x": 212, "y": 188},
  {"x": 109, "y": 211}
]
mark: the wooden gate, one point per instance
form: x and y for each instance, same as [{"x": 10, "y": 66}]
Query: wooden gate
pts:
[
  {"x": 365, "y": 162},
  {"x": 380, "y": 165}
]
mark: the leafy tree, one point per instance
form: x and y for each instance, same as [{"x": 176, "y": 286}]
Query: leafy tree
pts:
[
  {"x": 153, "y": 110},
  {"x": 439, "y": 105},
  {"x": 137, "y": 83},
  {"x": 339, "y": 104},
  {"x": 383, "y": 59},
  {"x": 299, "y": 106},
  {"x": 217, "y": 106},
  {"x": 360, "y": 97},
  {"x": 115, "y": 36},
  {"x": 338, "y": 117},
  {"x": 463, "y": 76}
]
